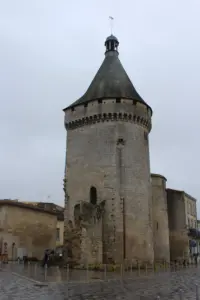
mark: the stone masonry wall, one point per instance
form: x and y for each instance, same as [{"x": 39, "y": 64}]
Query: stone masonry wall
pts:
[
  {"x": 179, "y": 240},
  {"x": 107, "y": 148},
  {"x": 32, "y": 230},
  {"x": 160, "y": 219}
]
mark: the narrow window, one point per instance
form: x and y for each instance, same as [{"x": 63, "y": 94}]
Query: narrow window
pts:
[
  {"x": 93, "y": 195},
  {"x": 57, "y": 234},
  {"x": 146, "y": 136},
  {"x": 157, "y": 225}
]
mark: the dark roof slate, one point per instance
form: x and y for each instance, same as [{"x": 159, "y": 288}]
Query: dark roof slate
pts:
[{"x": 111, "y": 81}]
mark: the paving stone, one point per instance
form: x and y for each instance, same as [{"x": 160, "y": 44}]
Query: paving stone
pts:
[{"x": 166, "y": 285}]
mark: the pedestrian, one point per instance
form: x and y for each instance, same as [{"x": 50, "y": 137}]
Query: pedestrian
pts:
[
  {"x": 195, "y": 257},
  {"x": 46, "y": 258}
]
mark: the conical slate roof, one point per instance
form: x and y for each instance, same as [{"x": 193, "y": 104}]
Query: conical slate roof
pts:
[{"x": 111, "y": 80}]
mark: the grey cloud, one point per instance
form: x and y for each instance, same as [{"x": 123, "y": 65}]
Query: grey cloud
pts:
[{"x": 49, "y": 53}]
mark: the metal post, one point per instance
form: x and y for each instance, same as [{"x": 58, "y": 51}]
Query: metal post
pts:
[
  {"x": 35, "y": 270},
  {"x": 28, "y": 267},
  {"x": 138, "y": 269},
  {"x": 67, "y": 273},
  {"x": 181, "y": 294},
  {"x": 87, "y": 274},
  {"x": 121, "y": 271},
  {"x": 174, "y": 267},
  {"x": 164, "y": 266},
  {"x": 67, "y": 281},
  {"x": 131, "y": 266},
  {"x": 197, "y": 292},
  {"x": 45, "y": 272},
  {"x": 146, "y": 269},
  {"x": 105, "y": 272}
]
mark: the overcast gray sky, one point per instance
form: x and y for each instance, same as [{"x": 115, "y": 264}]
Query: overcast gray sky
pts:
[{"x": 49, "y": 52}]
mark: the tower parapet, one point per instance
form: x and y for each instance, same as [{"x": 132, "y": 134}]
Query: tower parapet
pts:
[{"x": 108, "y": 110}]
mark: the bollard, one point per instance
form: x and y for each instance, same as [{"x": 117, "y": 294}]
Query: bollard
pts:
[
  {"x": 181, "y": 295},
  {"x": 67, "y": 281},
  {"x": 174, "y": 267},
  {"x": 138, "y": 269},
  {"x": 121, "y": 271},
  {"x": 164, "y": 266},
  {"x": 155, "y": 267},
  {"x": 68, "y": 274},
  {"x": 105, "y": 271},
  {"x": 158, "y": 297},
  {"x": 35, "y": 270},
  {"x": 45, "y": 272},
  {"x": 87, "y": 274},
  {"x": 58, "y": 269},
  {"x": 146, "y": 269},
  {"x": 197, "y": 292},
  {"x": 168, "y": 267},
  {"x": 28, "y": 268},
  {"x": 131, "y": 267}
]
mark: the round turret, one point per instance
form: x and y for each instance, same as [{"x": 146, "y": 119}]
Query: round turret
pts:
[{"x": 108, "y": 151}]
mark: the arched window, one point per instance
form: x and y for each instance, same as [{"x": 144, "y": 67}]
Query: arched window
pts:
[{"x": 93, "y": 195}]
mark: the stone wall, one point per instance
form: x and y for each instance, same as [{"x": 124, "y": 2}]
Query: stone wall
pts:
[
  {"x": 107, "y": 148},
  {"x": 83, "y": 236},
  {"x": 32, "y": 231},
  {"x": 160, "y": 218},
  {"x": 179, "y": 240}
]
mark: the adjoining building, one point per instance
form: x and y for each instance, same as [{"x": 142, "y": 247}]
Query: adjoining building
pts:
[
  {"x": 59, "y": 211},
  {"x": 26, "y": 230},
  {"x": 183, "y": 231}
]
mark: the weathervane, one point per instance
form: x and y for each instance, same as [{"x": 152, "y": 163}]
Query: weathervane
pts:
[{"x": 111, "y": 24}]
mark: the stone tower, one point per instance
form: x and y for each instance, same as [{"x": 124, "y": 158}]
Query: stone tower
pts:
[
  {"x": 108, "y": 169},
  {"x": 160, "y": 218}
]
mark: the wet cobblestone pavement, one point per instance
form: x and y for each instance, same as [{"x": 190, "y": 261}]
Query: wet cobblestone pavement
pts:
[{"x": 166, "y": 285}]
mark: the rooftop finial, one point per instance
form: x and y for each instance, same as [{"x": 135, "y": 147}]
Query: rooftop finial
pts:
[
  {"x": 111, "y": 24},
  {"x": 111, "y": 44}
]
